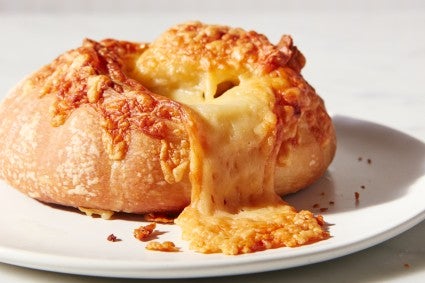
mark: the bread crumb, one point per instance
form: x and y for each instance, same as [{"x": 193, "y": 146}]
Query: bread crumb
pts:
[
  {"x": 357, "y": 197},
  {"x": 406, "y": 265},
  {"x": 369, "y": 160},
  {"x": 323, "y": 209},
  {"x": 143, "y": 232},
  {"x": 166, "y": 246},
  {"x": 113, "y": 238}
]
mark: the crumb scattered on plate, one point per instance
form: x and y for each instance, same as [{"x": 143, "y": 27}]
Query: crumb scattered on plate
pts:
[
  {"x": 166, "y": 246},
  {"x": 143, "y": 232},
  {"x": 113, "y": 238}
]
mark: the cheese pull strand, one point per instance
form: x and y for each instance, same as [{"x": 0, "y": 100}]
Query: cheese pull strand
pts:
[{"x": 234, "y": 208}]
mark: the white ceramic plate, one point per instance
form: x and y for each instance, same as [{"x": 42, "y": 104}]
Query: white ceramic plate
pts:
[{"x": 391, "y": 201}]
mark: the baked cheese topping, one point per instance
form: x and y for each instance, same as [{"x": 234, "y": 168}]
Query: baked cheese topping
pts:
[{"x": 240, "y": 124}]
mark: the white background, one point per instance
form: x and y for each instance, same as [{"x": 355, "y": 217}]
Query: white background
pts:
[{"x": 365, "y": 58}]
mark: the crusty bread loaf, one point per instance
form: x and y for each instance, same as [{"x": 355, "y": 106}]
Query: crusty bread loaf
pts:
[{"x": 108, "y": 125}]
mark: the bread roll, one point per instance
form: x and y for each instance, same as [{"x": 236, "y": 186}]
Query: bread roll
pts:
[{"x": 111, "y": 125}]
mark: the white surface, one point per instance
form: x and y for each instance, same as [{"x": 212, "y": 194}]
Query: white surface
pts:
[
  {"x": 367, "y": 64},
  {"x": 44, "y": 237}
]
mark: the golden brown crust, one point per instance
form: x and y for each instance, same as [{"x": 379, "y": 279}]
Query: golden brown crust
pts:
[
  {"x": 118, "y": 152},
  {"x": 92, "y": 130}
]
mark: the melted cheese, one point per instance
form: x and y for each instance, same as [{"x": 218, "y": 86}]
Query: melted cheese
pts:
[
  {"x": 234, "y": 208},
  {"x": 237, "y": 132}
]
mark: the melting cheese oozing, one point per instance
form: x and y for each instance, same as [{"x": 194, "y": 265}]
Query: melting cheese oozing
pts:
[
  {"x": 237, "y": 137},
  {"x": 234, "y": 208}
]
